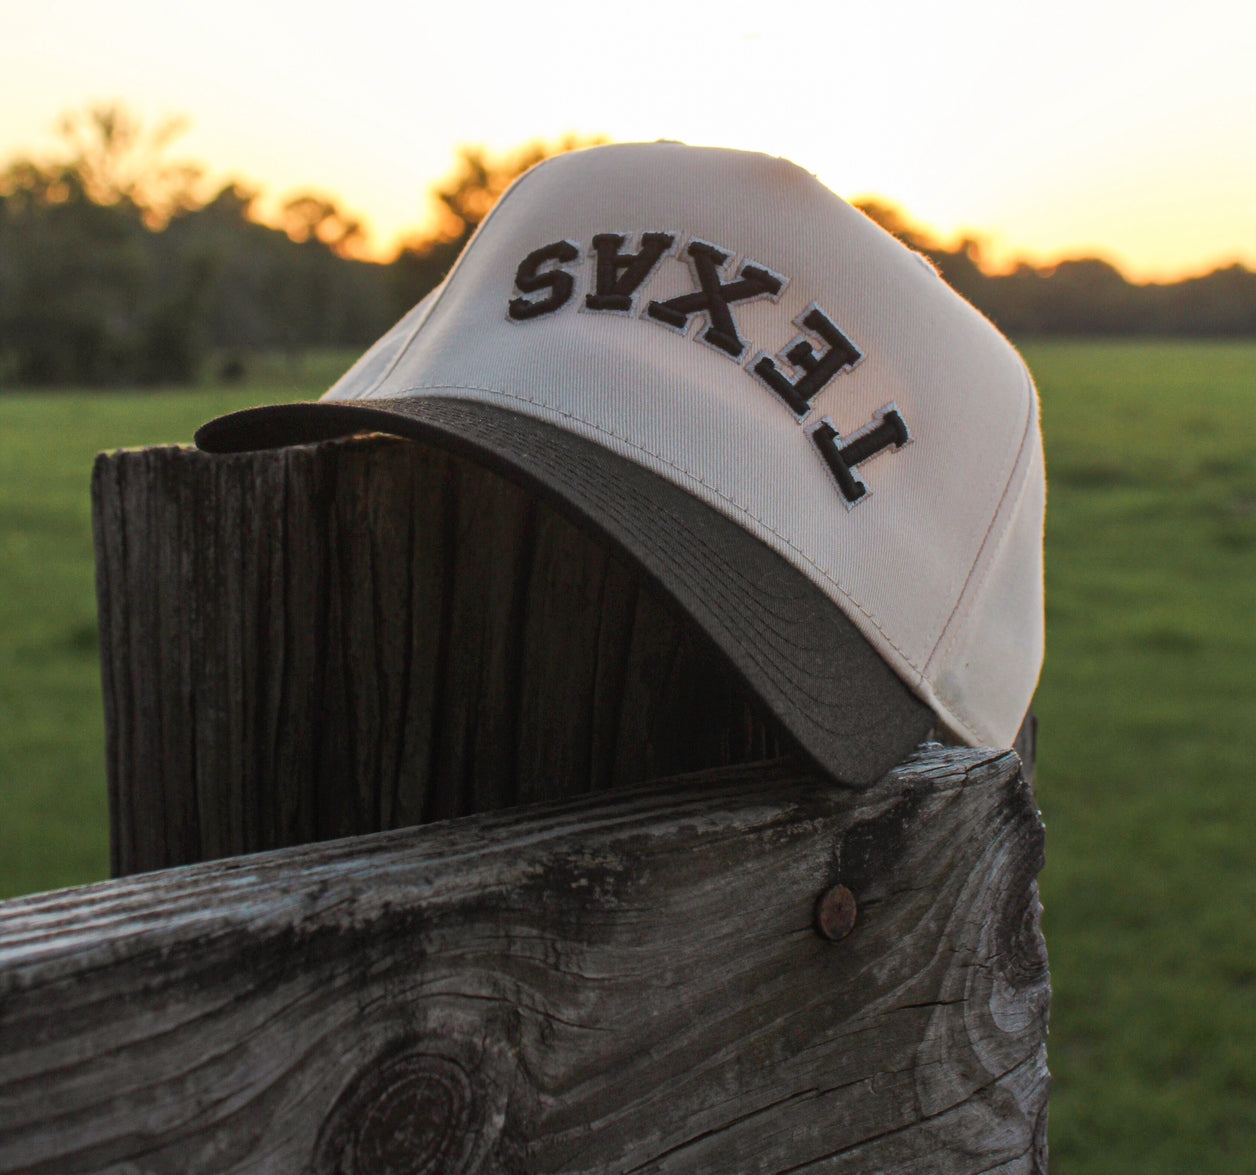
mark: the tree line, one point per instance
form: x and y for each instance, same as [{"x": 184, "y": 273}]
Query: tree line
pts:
[
  {"x": 1087, "y": 297},
  {"x": 114, "y": 270}
]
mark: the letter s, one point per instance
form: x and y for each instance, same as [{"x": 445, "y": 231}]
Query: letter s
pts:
[{"x": 530, "y": 278}]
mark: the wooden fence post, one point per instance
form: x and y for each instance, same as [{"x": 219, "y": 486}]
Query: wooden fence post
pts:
[{"x": 339, "y": 639}]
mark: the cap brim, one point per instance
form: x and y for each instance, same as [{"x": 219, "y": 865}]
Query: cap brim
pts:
[{"x": 795, "y": 650}]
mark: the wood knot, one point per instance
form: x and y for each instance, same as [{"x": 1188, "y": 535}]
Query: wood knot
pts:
[
  {"x": 1022, "y": 950},
  {"x": 416, "y": 1114}
]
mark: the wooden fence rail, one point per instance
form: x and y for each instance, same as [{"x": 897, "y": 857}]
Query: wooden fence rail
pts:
[{"x": 631, "y": 982}]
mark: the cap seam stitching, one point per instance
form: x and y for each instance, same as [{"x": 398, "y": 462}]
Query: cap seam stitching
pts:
[
  {"x": 401, "y": 350},
  {"x": 693, "y": 476},
  {"x": 447, "y": 280},
  {"x": 947, "y": 638}
]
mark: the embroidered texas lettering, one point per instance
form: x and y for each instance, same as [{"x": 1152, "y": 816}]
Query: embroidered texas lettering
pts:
[
  {"x": 619, "y": 275},
  {"x": 714, "y": 296},
  {"x": 886, "y": 431},
  {"x": 839, "y": 355},
  {"x": 530, "y": 278},
  {"x": 796, "y": 374}
]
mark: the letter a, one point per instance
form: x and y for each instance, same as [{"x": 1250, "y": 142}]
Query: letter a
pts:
[{"x": 619, "y": 275}]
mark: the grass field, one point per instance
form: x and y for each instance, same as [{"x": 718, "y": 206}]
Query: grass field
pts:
[
  {"x": 53, "y": 818},
  {"x": 1147, "y": 704}
]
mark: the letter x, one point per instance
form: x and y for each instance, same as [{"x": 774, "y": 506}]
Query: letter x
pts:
[{"x": 713, "y": 297}]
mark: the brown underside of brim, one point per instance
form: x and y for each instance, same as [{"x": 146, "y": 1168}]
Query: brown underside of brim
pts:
[{"x": 792, "y": 646}]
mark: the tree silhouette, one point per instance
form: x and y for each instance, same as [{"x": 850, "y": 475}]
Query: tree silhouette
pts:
[
  {"x": 114, "y": 160},
  {"x": 311, "y": 217},
  {"x": 113, "y": 270},
  {"x": 464, "y": 199}
]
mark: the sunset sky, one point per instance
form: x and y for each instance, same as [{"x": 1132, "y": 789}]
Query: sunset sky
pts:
[{"x": 1124, "y": 130}]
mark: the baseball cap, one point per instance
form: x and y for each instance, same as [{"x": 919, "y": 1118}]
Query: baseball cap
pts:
[{"x": 771, "y": 408}]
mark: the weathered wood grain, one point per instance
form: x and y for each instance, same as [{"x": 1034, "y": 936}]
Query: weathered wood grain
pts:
[
  {"x": 629, "y": 982},
  {"x": 296, "y": 643}
]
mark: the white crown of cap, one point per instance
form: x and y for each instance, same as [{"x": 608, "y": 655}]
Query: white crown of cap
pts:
[{"x": 938, "y": 562}]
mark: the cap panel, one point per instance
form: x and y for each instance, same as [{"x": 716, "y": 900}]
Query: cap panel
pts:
[
  {"x": 985, "y": 669},
  {"x": 364, "y": 378},
  {"x": 685, "y": 409}
]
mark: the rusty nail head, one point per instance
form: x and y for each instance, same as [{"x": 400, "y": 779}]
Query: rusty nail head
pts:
[{"x": 835, "y": 913}]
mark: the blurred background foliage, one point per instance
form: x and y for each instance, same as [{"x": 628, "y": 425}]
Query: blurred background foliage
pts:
[
  {"x": 1086, "y": 297},
  {"x": 115, "y": 269}
]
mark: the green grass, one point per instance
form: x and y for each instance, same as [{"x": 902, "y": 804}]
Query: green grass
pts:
[
  {"x": 1148, "y": 711},
  {"x": 53, "y": 810},
  {"x": 1147, "y": 704}
]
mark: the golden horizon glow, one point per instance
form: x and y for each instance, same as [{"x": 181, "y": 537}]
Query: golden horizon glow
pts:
[{"x": 1124, "y": 131}]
